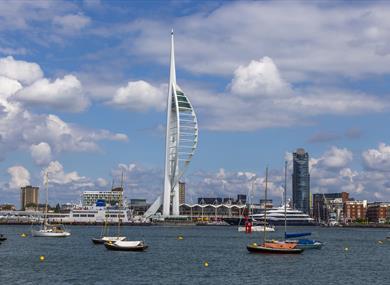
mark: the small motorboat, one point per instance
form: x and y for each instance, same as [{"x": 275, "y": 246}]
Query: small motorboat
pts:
[
  {"x": 102, "y": 240},
  {"x": 126, "y": 245},
  {"x": 2, "y": 237},
  {"x": 274, "y": 247}
]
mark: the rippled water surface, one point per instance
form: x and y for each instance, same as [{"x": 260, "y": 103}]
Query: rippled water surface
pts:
[{"x": 76, "y": 260}]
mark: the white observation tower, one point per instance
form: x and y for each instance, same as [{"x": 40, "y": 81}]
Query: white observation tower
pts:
[{"x": 180, "y": 143}]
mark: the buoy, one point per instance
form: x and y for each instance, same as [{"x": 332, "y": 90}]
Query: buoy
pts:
[
  {"x": 180, "y": 237},
  {"x": 346, "y": 249},
  {"x": 380, "y": 242},
  {"x": 23, "y": 235},
  {"x": 42, "y": 258},
  {"x": 206, "y": 264}
]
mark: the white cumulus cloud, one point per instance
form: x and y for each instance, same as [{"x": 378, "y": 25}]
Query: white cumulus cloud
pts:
[
  {"x": 23, "y": 71},
  {"x": 139, "y": 96},
  {"x": 41, "y": 153},
  {"x": 336, "y": 158},
  {"x": 63, "y": 94},
  {"x": 258, "y": 78},
  {"x": 377, "y": 159},
  {"x": 20, "y": 176}
]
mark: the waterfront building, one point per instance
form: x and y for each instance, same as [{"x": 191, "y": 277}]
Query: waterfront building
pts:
[
  {"x": 113, "y": 197},
  {"x": 241, "y": 200},
  {"x": 212, "y": 211},
  {"x": 210, "y": 200},
  {"x": 180, "y": 143},
  {"x": 182, "y": 193},
  {"x": 29, "y": 196},
  {"x": 138, "y": 207},
  {"x": 355, "y": 211},
  {"x": 329, "y": 206},
  {"x": 301, "y": 181},
  {"x": 378, "y": 212}
]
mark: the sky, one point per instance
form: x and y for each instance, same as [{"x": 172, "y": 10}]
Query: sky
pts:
[{"x": 83, "y": 90}]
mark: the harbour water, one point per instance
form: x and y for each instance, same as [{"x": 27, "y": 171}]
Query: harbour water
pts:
[{"x": 75, "y": 260}]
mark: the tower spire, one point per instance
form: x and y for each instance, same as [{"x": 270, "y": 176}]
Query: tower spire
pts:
[
  {"x": 180, "y": 143},
  {"x": 172, "y": 75}
]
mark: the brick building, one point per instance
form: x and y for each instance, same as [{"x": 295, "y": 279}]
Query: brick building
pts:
[
  {"x": 355, "y": 211},
  {"x": 378, "y": 212}
]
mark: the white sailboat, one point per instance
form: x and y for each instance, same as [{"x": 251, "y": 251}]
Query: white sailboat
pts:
[
  {"x": 46, "y": 229},
  {"x": 251, "y": 225}
]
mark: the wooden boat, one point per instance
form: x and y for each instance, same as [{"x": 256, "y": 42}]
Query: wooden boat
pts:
[
  {"x": 126, "y": 245},
  {"x": 271, "y": 247},
  {"x": 278, "y": 247}
]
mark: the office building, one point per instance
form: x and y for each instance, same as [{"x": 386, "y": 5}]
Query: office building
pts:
[
  {"x": 29, "y": 196},
  {"x": 301, "y": 181},
  {"x": 113, "y": 197}
]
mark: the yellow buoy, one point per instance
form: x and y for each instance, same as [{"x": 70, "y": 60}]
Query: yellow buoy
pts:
[
  {"x": 346, "y": 249},
  {"x": 180, "y": 237},
  {"x": 42, "y": 258},
  {"x": 23, "y": 235},
  {"x": 206, "y": 264}
]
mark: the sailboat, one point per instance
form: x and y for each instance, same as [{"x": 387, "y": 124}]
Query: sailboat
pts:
[
  {"x": 47, "y": 229},
  {"x": 119, "y": 243},
  {"x": 272, "y": 247},
  {"x": 288, "y": 238},
  {"x": 104, "y": 237},
  {"x": 251, "y": 225}
]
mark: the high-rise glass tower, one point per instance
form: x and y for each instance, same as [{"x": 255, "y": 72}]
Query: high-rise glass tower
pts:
[
  {"x": 180, "y": 143},
  {"x": 301, "y": 181}
]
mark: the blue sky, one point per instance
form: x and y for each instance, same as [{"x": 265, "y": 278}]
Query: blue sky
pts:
[{"x": 83, "y": 92}]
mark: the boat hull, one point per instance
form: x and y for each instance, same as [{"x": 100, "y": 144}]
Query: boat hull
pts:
[
  {"x": 241, "y": 222},
  {"x": 107, "y": 239},
  {"x": 98, "y": 241},
  {"x": 257, "y": 229},
  {"x": 116, "y": 247},
  {"x": 49, "y": 234},
  {"x": 253, "y": 248},
  {"x": 310, "y": 246}
]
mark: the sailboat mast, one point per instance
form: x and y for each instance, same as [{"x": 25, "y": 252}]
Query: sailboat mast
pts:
[
  {"x": 47, "y": 197},
  {"x": 265, "y": 205},
  {"x": 285, "y": 199}
]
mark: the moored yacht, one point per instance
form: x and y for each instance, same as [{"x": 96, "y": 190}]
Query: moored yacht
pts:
[{"x": 275, "y": 216}]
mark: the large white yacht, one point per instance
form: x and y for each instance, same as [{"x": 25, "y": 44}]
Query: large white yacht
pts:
[{"x": 275, "y": 216}]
